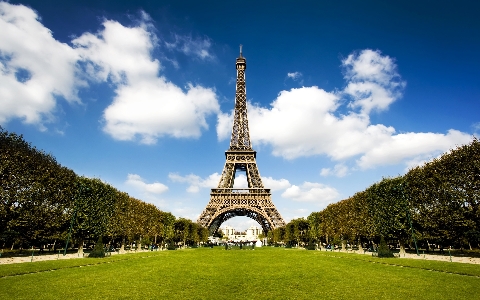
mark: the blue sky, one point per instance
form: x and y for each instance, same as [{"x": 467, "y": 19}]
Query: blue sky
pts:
[{"x": 140, "y": 94}]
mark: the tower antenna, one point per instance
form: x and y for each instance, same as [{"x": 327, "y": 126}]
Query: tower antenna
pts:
[{"x": 241, "y": 50}]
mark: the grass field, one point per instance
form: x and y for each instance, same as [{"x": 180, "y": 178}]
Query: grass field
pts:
[{"x": 263, "y": 273}]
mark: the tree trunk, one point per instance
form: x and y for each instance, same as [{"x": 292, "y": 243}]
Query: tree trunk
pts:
[
  {"x": 80, "y": 248},
  {"x": 360, "y": 249},
  {"x": 122, "y": 247},
  {"x": 402, "y": 247},
  {"x": 344, "y": 247}
]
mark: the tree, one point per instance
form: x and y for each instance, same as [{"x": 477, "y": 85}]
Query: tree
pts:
[
  {"x": 388, "y": 206},
  {"x": 181, "y": 230},
  {"x": 193, "y": 237},
  {"x": 35, "y": 193},
  {"x": 94, "y": 205},
  {"x": 40, "y": 200},
  {"x": 168, "y": 228},
  {"x": 203, "y": 234},
  {"x": 219, "y": 233}
]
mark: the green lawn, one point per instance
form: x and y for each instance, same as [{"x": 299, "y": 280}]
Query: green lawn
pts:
[{"x": 266, "y": 273}]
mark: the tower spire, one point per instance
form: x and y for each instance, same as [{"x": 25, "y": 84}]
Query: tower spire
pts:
[{"x": 240, "y": 133}]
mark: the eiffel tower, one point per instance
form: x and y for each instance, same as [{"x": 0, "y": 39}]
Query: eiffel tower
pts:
[{"x": 255, "y": 201}]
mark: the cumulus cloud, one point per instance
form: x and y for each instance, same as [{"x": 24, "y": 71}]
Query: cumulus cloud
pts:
[
  {"x": 476, "y": 128},
  {"x": 139, "y": 184},
  {"x": 411, "y": 145},
  {"x": 35, "y": 69},
  {"x": 196, "y": 182},
  {"x": 373, "y": 80},
  {"x": 311, "y": 192},
  {"x": 296, "y": 76},
  {"x": 275, "y": 184},
  {"x": 339, "y": 170},
  {"x": 241, "y": 182},
  {"x": 189, "y": 45},
  {"x": 146, "y": 105},
  {"x": 240, "y": 224},
  {"x": 118, "y": 53},
  {"x": 307, "y": 121}
]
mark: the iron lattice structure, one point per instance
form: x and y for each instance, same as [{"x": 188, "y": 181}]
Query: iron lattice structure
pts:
[{"x": 255, "y": 201}]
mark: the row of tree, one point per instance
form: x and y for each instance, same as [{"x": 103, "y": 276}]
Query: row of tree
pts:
[
  {"x": 437, "y": 203},
  {"x": 41, "y": 200}
]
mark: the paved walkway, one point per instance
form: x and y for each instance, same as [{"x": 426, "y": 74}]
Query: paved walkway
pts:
[
  {"x": 36, "y": 257},
  {"x": 445, "y": 257},
  {"x": 23, "y": 259}
]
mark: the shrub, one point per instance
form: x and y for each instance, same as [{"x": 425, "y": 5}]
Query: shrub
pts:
[
  {"x": 310, "y": 246},
  {"x": 383, "y": 250},
  {"x": 98, "y": 251},
  {"x": 171, "y": 246}
]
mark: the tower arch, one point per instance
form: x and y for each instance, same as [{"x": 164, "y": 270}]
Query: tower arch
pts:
[{"x": 247, "y": 211}]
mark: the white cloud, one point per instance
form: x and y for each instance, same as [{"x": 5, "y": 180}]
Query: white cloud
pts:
[
  {"x": 294, "y": 75},
  {"x": 373, "y": 81},
  {"x": 146, "y": 105},
  {"x": 154, "y": 108},
  {"x": 240, "y": 224},
  {"x": 369, "y": 65},
  {"x": 224, "y": 124},
  {"x": 35, "y": 69},
  {"x": 476, "y": 128},
  {"x": 240, "y": 181},
  {"x": 307, "y": 121},
  {"x": 196, "y": 182},
  {"x": 182, "y": 210},
  {"x": 410, "y": 145},
  {"x": 118, "y": 53},
  {"x": 311, "y": 192},
  {"x": 274, "y": 184},
  {"x": 191, "y": 46},
  {"x": 339, "y": 170},
  {"x": 139, "y": 184}
]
